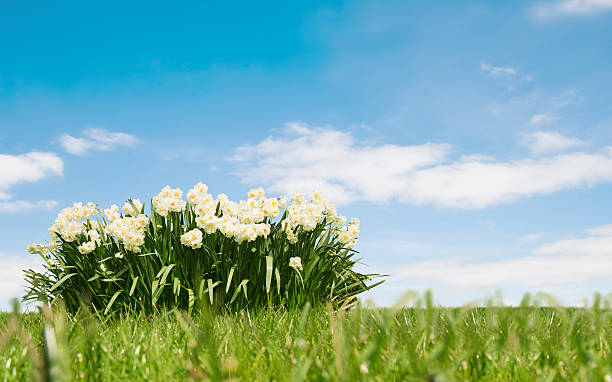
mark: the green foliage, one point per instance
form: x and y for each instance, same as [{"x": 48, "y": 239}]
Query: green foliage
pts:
[
  {"x": 421, "y": 343},
  {"x": 164, "y": 272}
]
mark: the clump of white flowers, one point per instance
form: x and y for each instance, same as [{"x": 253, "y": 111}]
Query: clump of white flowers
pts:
[
  {"x": 129, "y": 230},
  {"x": 169, "y": 200},
  {"x": 112, "y": 213},
  {"x": 192, "y": 238},
  {"x": 241, "y": 221},
  {"x": 69, "y": 222},
  {"x": 36, "y": 248},
  {"x": 304, "y": 215},
  {"x": 348, "y": 234}
]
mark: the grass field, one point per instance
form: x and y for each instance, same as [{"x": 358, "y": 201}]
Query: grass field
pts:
[{"x": 423, "y": 343}]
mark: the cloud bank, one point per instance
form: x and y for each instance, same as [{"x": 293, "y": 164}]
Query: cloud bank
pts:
[
  {"x": 306, "y": 158},
  {"x": 564, "y": 262}
]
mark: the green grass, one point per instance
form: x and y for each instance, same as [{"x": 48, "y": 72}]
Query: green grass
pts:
[{"x": 423, "y": 343}]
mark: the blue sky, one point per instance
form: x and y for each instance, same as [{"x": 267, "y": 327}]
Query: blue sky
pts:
[{"x": 472, "y": 139}]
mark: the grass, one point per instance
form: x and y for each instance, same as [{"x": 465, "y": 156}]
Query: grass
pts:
[{"x": 422, "y": 343}]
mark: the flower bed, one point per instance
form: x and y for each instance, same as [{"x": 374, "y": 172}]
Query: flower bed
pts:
[{"x": 252, "y": 253}]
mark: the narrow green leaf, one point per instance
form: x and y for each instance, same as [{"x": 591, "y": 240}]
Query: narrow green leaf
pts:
[
  {"x": 161, "y": 271},
  {"x": 165, "y": 275},
  {"x": 191, "y": 299},
  {"x": 268, "y": 273},
  {"x": 61, "y": 281},
  {"x": 201, "y": 290},
  {"x": 210, "y": 290},
  {"x": 229, "y": 279},
  {"x": 176, "y": 288},
  {"x": 154, "y": 288},
  {"x": 133, "y": 285},
  {"x": 237, "y": 291},
  {"x": 244, "y": 289},
  {"x": 95, "y": 277},
  {"x": 278, "y": 284},
  {"x": 112, "y": 300}
]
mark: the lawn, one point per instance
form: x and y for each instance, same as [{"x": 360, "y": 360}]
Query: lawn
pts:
[{"x": 421, "y": 343}]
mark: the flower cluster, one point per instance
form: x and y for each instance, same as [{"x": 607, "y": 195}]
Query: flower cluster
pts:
[
  {"x": 169, "y": 200},
  {"x": 112, "y": 213},
  {"x": 129, "y": 230},
  {"x": 243, "y": 221},
  {"x": 348, "y": 234},
  {"x": 289, "y": 251},
  {"x": 303, "y": 215},
  {"x": 192, "y": 238},
  {"x": 69, "y": 222},
  {"x": 37, "y": 248},
  {"x": 88, "y": 246}
]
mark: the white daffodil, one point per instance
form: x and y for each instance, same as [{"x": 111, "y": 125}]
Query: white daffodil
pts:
[{"x": 295, "y": 263}]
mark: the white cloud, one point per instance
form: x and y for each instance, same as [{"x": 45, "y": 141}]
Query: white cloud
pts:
[
  {"x": 542, "y": 142},
  {"x": 12, "y": 283},
  {"x": 30, "y": 167},
  {"x": 22, "y": 205},
  {"x": 566, "y": 8},
  {"x": 95, "y": 139},
  {"x": 334, "y": 162},
  {"x": 542, "y": 119},
  {"x": 496, "y": 71},
  {"x": 478, "y": 185},
  {"x": 76, "y": 146},
  {"x": 348, "y": 170},
  {"x": 604, "y": 230},
  {"x": 530, "y": 238},
  {"x": 565, "y": 262}
]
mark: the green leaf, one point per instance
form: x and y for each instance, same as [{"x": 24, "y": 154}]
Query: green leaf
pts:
[
  {"x": 201, "y": 290},
  {"x": 61, "y": 281},
  {"x": 112, "y": 300},
  {"x": 244, "y": 289},
  {"x": 95, "y": 277},
  {"x": 165, "y": 275},
  {"x": 268, "y": 273},
  {"x": 229, "y": 279},
  {"x": 154, "y": 289},
  {"x": 133, "y": 285},
  {"x": 210, "y": 288},
  {"x": 121, "y": 272},
  {"x": 237, "y": 291},
  {"x": 278, "y": 284},
  {"x": 191, "y": 299}
]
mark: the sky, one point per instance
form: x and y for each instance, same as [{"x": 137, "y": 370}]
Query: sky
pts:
[{"x": 472, "y": 139}]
